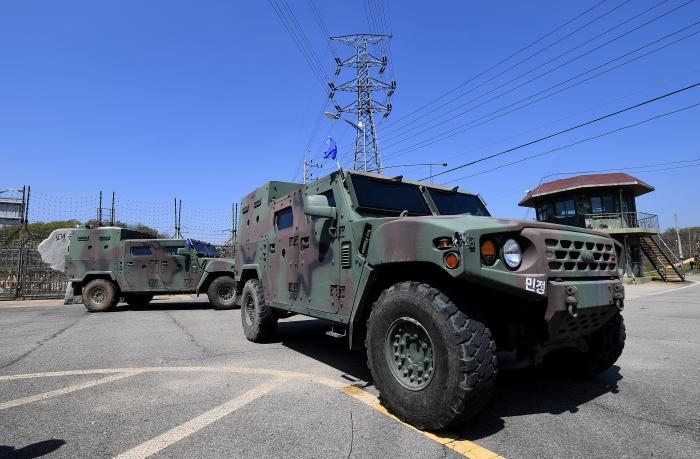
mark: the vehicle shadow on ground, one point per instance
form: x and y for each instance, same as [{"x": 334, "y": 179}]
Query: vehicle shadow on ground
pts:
[
  {"x": 170, "y": 306},
  {"x": 539, "y": 390},
  {"x": 308, "y": 337},
  {"x": 38, "y": 449}
]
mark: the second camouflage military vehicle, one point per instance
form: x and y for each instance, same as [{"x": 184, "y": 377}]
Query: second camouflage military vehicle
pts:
[
  {"x": 430, "y": 284},
  {"x": 108, "y": 263}
]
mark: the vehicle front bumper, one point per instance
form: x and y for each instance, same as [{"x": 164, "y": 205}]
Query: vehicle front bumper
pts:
[{"x": 580, "y": 307}]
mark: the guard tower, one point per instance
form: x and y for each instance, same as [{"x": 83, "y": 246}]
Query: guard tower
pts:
[{"x": 607, "y": 202}]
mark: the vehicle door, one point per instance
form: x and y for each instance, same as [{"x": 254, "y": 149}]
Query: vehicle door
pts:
[
  {"x": 175, "y": 268},
  {"x": 283, "y": 252},
  {"x": 140, "y": 269},
  {"x": 319, "y": 260},
  {"x": 195, "y": 268}
]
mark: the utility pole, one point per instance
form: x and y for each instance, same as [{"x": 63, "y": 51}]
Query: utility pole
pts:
[
  {"x": 366, "y": 144},
  {"x": 99, "y": 212},
  {"x": 308, "y": 164},
  {"x": 678, "y": 238},
  {"x": 112, "y": 212}
]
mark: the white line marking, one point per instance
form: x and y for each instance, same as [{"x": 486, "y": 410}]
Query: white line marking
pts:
[
  {"x": 65, "y": 390},
  {"x": 53, "y": 374},
  {"x": 188, "y": 428},
  {"x": 464, "y": 447},
  {"x": 694, "y": 283}
]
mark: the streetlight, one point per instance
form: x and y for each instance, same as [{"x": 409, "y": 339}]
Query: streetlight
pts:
[
  {"x": 359, "y": 127},
  {"x": 430, "y": 165}
]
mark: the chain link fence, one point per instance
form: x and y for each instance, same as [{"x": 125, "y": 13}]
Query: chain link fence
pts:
[{"x": 23, "y": 275}]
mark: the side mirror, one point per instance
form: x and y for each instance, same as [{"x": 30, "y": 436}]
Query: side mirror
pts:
[
  {"x": 183, "y": 251},
  {"x": 316, "y": 205}
]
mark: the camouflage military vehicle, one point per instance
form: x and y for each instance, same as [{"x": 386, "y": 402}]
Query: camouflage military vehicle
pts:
[
  {"x": 430, "y": 284},
  {"x": 104, "y": 264}
]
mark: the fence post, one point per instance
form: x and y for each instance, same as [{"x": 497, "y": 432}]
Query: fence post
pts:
[{"x": 19, "y": 280}]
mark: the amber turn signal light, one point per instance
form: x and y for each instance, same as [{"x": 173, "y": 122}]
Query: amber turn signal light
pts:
[
  {"x": 451, "y": 260},
  {"x": 488, "y": 252}
]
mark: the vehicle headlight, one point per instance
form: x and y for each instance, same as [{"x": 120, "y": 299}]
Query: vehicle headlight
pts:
[{"x": 512, "y": 254}]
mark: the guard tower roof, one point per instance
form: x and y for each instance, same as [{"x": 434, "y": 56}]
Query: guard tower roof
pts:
[{"x": 618, "y": 180}]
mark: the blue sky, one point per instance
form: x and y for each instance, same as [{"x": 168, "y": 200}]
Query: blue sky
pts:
[{"x": 207, "y": 100}]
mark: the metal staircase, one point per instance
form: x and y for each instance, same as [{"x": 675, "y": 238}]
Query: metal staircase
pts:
[{"x": 662, "y": 258}]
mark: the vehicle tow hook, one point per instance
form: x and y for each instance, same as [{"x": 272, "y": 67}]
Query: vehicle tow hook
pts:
[{"x": 572, "y": 301}]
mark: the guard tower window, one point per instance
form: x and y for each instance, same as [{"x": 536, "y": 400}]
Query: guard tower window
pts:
[
  {"x": 141, "y": 251},
  {"x": 284, "y": 218},
  {"x": 604, "y": 204},
  {"x": 544, "y": 213},
  {"x": 566, "y": 208}
]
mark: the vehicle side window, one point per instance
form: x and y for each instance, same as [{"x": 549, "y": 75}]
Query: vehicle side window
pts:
[
  {"x": 141, "y": 250},
  {"x": 284, "y": 218},
  {"x": 171, "y": 250}
]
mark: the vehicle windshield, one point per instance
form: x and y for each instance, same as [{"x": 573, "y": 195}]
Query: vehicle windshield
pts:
[
  {"x": 205, "y": 250},
  {"x": 453, "y": 203},
  {"x": 388, "y": 196}
]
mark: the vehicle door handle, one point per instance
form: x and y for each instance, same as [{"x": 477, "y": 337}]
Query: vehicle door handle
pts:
[
  {"x": 305, "y": 242},
  {"x": 272, "y": 248},
  {"x": 130, "y": 263}
]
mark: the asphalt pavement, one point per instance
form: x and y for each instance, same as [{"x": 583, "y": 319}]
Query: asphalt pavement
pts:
[{"x": 180, "y": 379}]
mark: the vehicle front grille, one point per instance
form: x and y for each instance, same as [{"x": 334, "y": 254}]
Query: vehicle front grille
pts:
[{"x": 567, "y": 255}]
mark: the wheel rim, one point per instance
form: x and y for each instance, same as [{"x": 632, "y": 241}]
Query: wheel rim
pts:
[
  {"x": 97, "y": 295},
  {"x": 226, "y": 293},
  {"x": 249, "y": 310},
  {"x": 409, "y": 353}
]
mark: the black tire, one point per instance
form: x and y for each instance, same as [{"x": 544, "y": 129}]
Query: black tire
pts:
[
  {"x": 464, "y": 358},
  {"x": 100, "y": 295},
  {"x": 259, "y": 321},
  {"x": 222, "y": 292},
  {"x": 137, "y": 301},
  {"x": 604, "y": 348}
]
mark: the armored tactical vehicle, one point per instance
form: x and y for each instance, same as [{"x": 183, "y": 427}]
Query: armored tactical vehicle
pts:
[
  {"x": 108, "y": 263},
  {"x": 430, "y": 284}
]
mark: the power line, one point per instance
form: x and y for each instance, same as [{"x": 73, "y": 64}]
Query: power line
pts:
[
  {"x": 569, "y": 129},
  {"x": 470, "y": 124},
  {"x": 580, "y": 45},
  {"x": 628, "y": 168},
  {"x": 578, "y": 142},
  {"x": 461, "y": 85},
  {"x": 296, "y": 33}
]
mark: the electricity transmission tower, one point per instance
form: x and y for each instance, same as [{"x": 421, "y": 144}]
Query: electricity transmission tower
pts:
[{"x": 366, "y": 145}]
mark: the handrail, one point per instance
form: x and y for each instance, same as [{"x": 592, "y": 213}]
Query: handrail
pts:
[
  {"x": 623, "y": 220},
  {"x": 674, "y": 259}
]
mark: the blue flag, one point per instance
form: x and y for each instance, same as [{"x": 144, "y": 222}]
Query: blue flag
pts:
[{"x": 331, "y": 149}]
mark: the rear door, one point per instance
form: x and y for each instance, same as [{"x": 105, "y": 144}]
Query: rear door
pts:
[{"x": 141, "y": 266}]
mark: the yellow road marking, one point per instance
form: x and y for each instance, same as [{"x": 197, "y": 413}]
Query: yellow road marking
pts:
[
  {"x": 464, "y": 447},
  {"x": 188, "y": 428},
  {"x": 65, "y": 390}
]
